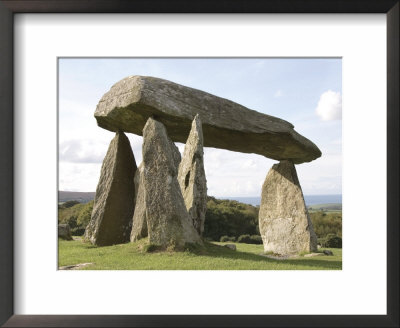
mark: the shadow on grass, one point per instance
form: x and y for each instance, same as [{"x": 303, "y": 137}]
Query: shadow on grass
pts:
[
  {"x": 89, "y": 246},
  {"x": 223, "y": 252}
]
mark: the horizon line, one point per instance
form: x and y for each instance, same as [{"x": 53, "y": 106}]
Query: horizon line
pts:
[{"x": 220, "y": 195}]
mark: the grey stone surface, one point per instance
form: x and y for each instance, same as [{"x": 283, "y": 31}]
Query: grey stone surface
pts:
[
  {"x": 114, "y": 203},
  {"x": 139, "y": 221},
  {"x": 64, "y": 231},
  {"x": 74, "y": 266},
  {"x": 231, "y": 246},
  {"x": 168, "y": 221},
  {"x": 285, "y": 225},
  {"x": 227, "y": 125},
  {"x": 192, "y": 178},
  {"x": 176, "y": 155}
]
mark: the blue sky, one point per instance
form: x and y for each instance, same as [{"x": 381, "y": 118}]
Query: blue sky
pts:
[{"x": 305, "y": 92}]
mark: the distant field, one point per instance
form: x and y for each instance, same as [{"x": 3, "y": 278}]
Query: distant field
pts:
[
  {"x": 213, "y": 256},
  {"x": 325, "y": 207},
  {"x": 82, "y": 197}
]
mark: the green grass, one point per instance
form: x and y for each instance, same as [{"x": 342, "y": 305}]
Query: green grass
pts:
[{"x": 132, "y": 256}]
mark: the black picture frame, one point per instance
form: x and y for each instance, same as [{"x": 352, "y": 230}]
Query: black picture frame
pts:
[{"x": 10, "y": 7}]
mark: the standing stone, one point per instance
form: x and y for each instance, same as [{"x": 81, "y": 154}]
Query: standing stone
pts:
[
  {"x": 192, "y": 178},
  {"x": 111, "y": 219},
  {"x": 168, "y": 221},
  {"x": 139, "y": 221},
  {"x": 176, "y": 155},
  {"x": 285, "y": 225}
]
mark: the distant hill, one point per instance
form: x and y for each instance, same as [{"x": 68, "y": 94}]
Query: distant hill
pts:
[
  {"x": 309, "y": 199},
  {"x": 82, "y": 197},
  {"x": 85, "y": 197}
]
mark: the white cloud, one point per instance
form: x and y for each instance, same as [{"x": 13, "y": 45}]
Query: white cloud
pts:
[
  {"x": 78, "y": 177},
  {"x": 249, "y": 164},
  {"x": 337, "y": 141},
  {"x": 322, "y": 176},
  {"x": 330, "y": 106},
  {"x": 82, "y": 151},
  {"x": 93, "y": 150},
  {"x": 136, "y": 144},
  {"x": 231, "y": 174},
  {"x": 181, "y": 147},
  {"x": 278, "y": 94}
]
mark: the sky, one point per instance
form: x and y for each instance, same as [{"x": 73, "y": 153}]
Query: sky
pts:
[{"x": 306, "y": 92}]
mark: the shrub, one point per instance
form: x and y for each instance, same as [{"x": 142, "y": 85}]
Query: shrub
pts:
[
  {"x": 85, "y": 214},
  {"x": 326, "y": 223},
  {"x": 77, "y": 231},
  {"x": 69, "y": 204},
  {"x": 224, "y": 239},
  {"x": 244, "y": 239},
  {"x": 333, "y": 242},
  {"x": 229, "y": 218},
  {"x": 227, "y": 238},
  {"x": 247, "y": 239},
  {"x": 256, "y": 239},
  {"x": 76, "y": 216}
]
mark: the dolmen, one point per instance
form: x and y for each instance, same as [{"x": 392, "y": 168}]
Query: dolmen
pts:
[{"x": 164, "y": 199}]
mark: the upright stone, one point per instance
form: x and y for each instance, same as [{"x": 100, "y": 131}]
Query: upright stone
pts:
[
  {"x": 168, "y": 221},
  {"x": 114, "y": 203},
  {"x": 192, "y": 178},
  {"x": 285, "y": 225},
  {"x": 139, "y": 221}
]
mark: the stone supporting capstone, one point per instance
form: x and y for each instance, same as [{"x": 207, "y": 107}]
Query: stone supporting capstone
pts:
[
  {"x": 284, "y": 223},
  {"x": 139, "y": 221},
  {"x": 192, "y": 177},
  {"x": 168, "y": 221},
  {"x": 114, "y": 203}
]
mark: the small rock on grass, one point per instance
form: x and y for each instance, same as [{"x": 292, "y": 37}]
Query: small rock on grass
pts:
[
  {"x": 74, "y": 266},
  {"x": 64, "y": 232},
  {"x": 231, "y": 246},
  {"x": 313, "y": 254}
]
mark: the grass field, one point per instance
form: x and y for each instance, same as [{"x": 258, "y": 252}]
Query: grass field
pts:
[
  {"x": 325, "y": 207},
  {"x": 213, "y": 256}
]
